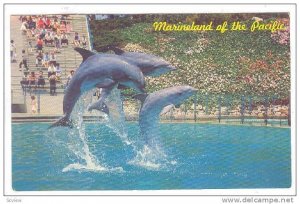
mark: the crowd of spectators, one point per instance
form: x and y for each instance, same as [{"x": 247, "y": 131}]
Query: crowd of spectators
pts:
[{"x": 52, "y": 32}]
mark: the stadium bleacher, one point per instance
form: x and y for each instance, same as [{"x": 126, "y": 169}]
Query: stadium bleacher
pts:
[{"x": 67, "y": 58}]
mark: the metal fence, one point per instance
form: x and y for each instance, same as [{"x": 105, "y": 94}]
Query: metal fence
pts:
[
  {"x": 228, "y": 108},
  {"x": 220, "y": 108}
]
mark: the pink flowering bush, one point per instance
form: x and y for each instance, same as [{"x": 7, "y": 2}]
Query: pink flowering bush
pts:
[
  {"x": 232, "y": 63},
  {"x": 282, "y": 36}
]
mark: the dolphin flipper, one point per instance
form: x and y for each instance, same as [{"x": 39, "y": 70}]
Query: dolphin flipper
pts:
[
  {"x": 100, "y": 105},
  {"x": 63, "y": 121},
  {"x": 84, "y": 53},
  {"x": 166, "y": 109}
]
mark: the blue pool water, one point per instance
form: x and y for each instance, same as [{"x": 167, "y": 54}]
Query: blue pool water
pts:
[{"x": 195, "y": 156}]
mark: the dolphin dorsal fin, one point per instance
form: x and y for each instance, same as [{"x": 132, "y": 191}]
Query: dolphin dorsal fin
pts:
[
  {"x": 117, "y": 50},
  {"x": 84, "y": 53},
  {"x": 140, "y": 97}
]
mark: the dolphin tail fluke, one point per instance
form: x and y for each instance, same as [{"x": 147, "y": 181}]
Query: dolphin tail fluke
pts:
[
  {"x": 63, "y": 121},
  {"x": 116, "y": 50}
]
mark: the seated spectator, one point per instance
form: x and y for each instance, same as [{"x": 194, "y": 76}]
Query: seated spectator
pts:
[
  {"x": 24, "y": 80},
  {"x": 31, "y": 23},
  {"x": 64, "y": 17},
  {"x": 55, "y": 18},
  {"x": 43, "y": 33},
  {"x": 58, "y": 71},
  {"x": 24, "y": 83},
  {"x": 47, "y": 23},
  {"x": 55, "y": 26},
  {"x": 31, "y": 79},
  {"x": 46, "y": 60},
  {"x": 40, "y": 23},
  {"x": 41, "y": 80},
  {"x": 63, "y": 26},
  {"x": 48, "y": 39},
  {"x": 68, "y": 27},
  {"x": 83, "y": 41},
  {"x": 52, "y": 58},
  {"x": 57, "y": 43},
  {"x": 69, "y": 77},
  {"x": 39, "y": 58},
  {"x": 39, "y": 44},
  {"x": 64, "y": 39},
  {"x": 51, "y": 70},
  {"x": 23, "y": 61},
  {"x": 76, "y": 40},
  {"x": 52, "y": 81}
]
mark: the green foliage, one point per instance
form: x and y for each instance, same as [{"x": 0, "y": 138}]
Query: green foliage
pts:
[{"x": 234, "y": 62}]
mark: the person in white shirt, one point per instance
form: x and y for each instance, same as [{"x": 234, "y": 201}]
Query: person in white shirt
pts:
[
  {"x": 51, "y": 70},
  {"x": 64, "y": 39},
  {"x": 70, "y": 77},
  {"x": 58, "y": 71},
  {"x": 24, "y": 27},
  {"x": 46, "y": 59},
  {"x": 52, "y": 58},
  {"x": 83, "y": 41},
  {"x": 12, "y": 51}
]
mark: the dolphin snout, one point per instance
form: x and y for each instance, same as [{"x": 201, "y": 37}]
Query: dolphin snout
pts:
[
  {"x": 166, "y": 67},
  {"x": 172, "y": 68},
  {"x": 193, "y": 90}
]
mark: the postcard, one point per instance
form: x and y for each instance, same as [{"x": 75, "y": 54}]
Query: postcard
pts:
[{"x": 152, "y": 101}]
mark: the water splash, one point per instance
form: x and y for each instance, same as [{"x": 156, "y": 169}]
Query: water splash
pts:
[
  {"x": 149, "y": 150},
  {"x": 116, "y": 118},
  {"x": 150, "y": 154},
  {"x": 152, "y": 158},
  {"x": 79, "y": 142}
]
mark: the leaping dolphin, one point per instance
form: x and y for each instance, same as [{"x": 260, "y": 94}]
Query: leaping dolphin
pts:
[
  {"x": 156, "y": 103},
  {"x": 102, "y": 71},
  {"x": 150, "y": 65}
]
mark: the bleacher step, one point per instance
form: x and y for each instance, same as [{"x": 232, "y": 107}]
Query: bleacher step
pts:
[{"x": 68, "y": 59}]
